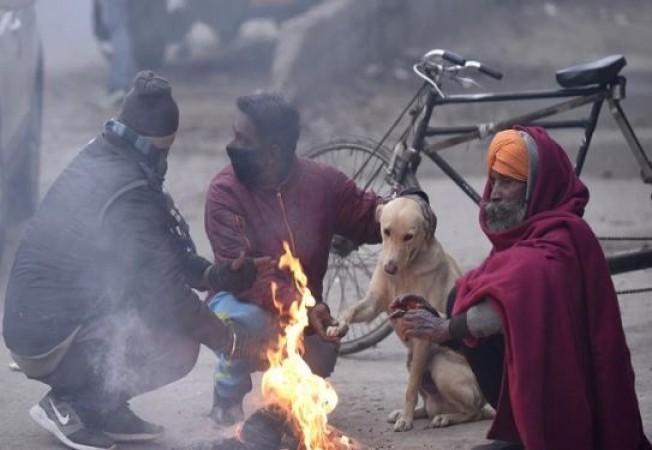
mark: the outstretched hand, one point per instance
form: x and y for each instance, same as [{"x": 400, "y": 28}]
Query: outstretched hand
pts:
[
  {"x": 338, "y": 330},
  {"x": 404, "y": 303},
  {"x": 237, "y": 275},
  {"x": 417, "y": 319},
  {"x": 264, "y": 264},
  {"x": 320, "y": 320}
]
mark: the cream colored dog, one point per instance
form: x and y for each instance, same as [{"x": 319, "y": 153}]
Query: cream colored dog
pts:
[{"x": 413, "y": 261}]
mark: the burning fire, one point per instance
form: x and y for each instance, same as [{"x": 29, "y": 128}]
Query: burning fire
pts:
[{"x": 305, "y": 398}]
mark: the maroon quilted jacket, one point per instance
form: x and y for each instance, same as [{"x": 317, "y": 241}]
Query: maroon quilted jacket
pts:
[{"x": 314, "y": 203}]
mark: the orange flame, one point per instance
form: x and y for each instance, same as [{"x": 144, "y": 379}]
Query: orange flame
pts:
[{"x": 306, "y": 398}]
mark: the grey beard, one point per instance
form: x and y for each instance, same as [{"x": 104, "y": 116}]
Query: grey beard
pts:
[{"x": 501, "y": 216}]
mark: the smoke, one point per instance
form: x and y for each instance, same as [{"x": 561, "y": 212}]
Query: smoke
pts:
[
  {"x": 129, "y": 348},
  {"x": 66, "y": 34},
  {"x": 134, "y": 357}
]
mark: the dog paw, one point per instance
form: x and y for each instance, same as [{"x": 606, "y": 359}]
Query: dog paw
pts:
[
  {"x": 337, "y": 330},
  {"x": 394, "y": 416},
  {"x": 403, "y": 424},
  {"x": 439, "y": 421}
]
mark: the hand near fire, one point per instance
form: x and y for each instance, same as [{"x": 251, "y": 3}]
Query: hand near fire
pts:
[
  {"x": 418, "y": 319},
  {"x": 238, "y": 274},
  {"x": 338, "y": 330},
  {"x": 321, "y": 322},
  {"x": 261, "y": 267},
  {"x": 264, "y": 264}
]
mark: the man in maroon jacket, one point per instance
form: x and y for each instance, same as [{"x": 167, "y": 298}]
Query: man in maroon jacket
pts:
[
  {"x": 539, "y": 320},
  {"x": 267, "y": 196}
]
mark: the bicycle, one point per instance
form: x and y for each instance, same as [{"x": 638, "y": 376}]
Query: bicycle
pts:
[{"x": 374, "y": 165}]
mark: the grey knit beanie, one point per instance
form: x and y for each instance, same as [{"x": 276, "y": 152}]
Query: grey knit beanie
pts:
[{"x": 148, "y": 107}]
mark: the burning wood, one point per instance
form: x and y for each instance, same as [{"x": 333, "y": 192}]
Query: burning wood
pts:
[
  {"x": 289, "y": 384},
  {"x": 265, "y": 429},
  {"x": 297, "y": 401}
]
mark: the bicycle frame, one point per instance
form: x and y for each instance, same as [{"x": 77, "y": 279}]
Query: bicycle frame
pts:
[
  {"x": 407, "y": 158},
  {"x": 612, "y": 93},
  {"x": 413, "y": 136}
]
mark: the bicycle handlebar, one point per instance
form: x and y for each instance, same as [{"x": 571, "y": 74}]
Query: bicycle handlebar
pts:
[
  {"x": 487, "y": 70},
  {"x": 446, "y": 55},
  {"x": 458, "y": 61},
  {"x": 453, "y": 58}
]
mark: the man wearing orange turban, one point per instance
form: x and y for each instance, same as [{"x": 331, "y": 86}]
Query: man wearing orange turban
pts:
[
  {"x": 507, "y": 169},
  {"x": 508, "y": 155},
  {"x": 538, "y": 320}
]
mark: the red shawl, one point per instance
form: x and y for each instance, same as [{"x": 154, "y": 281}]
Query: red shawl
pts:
[{"x": 568, "y": 381}]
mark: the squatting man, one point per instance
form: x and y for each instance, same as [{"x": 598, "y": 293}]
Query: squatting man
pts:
[{"x": 99, "y": 304}]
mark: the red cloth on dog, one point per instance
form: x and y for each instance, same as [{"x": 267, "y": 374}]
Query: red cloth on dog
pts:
[{"x": 568, "y": 381}]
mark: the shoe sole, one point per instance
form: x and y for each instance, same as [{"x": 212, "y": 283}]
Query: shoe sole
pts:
[
  {"x": 39, "y": 416},
  {"x": 140, "y": 437}
]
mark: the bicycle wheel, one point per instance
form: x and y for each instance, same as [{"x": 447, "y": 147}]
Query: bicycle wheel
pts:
[{"x": 350, "y": 266}]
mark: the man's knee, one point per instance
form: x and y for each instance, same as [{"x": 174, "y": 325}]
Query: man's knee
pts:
[
  {"x": 245, "y": 316},
  {"x": 186, "y": 355},
  {"x": 162, "y": 356}
]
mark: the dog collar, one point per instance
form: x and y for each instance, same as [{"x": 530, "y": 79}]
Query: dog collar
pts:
[{"x": 423, "y": 201}]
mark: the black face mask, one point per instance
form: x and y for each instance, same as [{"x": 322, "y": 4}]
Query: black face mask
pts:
[
  {"x": 161, "y": 167},
  {"x": 246, "y": 162}
]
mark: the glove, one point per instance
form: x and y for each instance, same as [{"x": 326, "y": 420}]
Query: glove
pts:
[
  {"x": 195, "y": 267},
  {"x": 231, "y": 277}
]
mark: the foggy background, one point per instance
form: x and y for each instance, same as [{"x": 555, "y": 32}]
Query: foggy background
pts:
[
  {"x": 347, "y": 64},
  {"x": 67, "y": 34}
]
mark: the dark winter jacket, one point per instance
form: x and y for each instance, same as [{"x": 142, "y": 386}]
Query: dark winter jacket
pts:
[
  {"x": 312, "y": 205},
  {"x": 99, "y": 243}
]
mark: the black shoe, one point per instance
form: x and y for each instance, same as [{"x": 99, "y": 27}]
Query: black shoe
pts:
[
  {"x": 59, "y": 418},
  {"x": 499, "y": 445},
  {"x": 123, "y": 425},
  {"x": 226, "y": 412}
]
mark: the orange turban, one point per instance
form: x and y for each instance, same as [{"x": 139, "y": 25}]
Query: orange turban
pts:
[{"x": 508, "y": 155}]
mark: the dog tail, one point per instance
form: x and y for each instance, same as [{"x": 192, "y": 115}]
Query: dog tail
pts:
[{"x": 487, "y": 412}]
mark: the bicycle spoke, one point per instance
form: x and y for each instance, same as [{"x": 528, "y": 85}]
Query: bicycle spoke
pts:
[
  {"x": 342, "y": 292},
  {"x": 328, "y": 281},
  {"x": 335, "y": 277},
  {"x": 355, "y": 282},
  {"x": 365, "y": 162},
  {"x": 362, "y": 265},
  {"x": 368, "y": 255}
]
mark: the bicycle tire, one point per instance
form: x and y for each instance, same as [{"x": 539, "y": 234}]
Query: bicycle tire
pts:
[{"x": 348, "y": 155}]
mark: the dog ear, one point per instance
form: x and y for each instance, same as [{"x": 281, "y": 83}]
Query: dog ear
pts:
[
  {"x": 379, "y": 212},
  {"x": 414, "y": 192},
  {"x": 430, "y": 222}
]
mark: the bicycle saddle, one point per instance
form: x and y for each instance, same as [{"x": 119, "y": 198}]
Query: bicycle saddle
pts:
[{"x": 597, "y": 72}]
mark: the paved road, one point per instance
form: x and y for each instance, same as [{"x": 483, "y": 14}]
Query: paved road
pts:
[{"x": 371, "y": 383}]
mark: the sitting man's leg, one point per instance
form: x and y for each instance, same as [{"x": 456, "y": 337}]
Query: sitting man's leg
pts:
[
  {"x": 233, "y": 377},
  {"x": 110, "y": 361},
  {"x": 486, "y": 360},
  {"x": 320, "y": 355}
]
